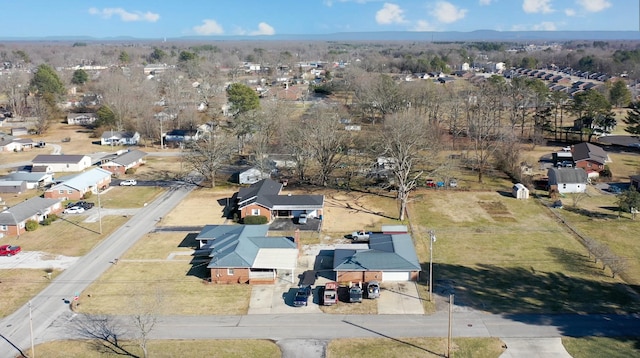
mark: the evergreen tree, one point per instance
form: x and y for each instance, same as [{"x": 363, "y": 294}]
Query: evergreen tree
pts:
[
  {"x": 45, "y": 80},
  {"x": 80, "y": 77},
  {"x": 633, "y": 120}
]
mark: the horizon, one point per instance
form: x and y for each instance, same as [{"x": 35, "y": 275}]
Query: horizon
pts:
[{"x": 285, "y": 18}]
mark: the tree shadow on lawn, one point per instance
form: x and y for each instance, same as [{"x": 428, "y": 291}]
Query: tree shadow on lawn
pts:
[
  {"x": 577, "y": 306},
  {"x": 228, "y": 206},
  {"x": 593, "y": 214}
]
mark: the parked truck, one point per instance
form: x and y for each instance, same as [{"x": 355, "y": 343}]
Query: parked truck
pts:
[
  {"x": 372, "y": 289},
  {"x": 330, "y": 294},
  {"x": 360, "y": 235},
  {"x": 355, "y": 293}
]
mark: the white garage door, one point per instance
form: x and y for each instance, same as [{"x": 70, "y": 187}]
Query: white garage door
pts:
[{"x": 395, "y": 276}]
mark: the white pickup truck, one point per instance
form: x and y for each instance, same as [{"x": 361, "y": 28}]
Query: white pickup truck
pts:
[{"x": 360, "y": 235}]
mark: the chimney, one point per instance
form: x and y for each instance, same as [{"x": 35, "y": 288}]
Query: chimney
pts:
[{"x": 296, "y": 240}]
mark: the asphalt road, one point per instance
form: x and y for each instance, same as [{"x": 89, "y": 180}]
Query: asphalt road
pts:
[{"x": 52, "y": 302}]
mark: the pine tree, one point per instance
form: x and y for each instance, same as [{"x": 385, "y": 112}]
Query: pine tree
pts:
[{"x": 633, "y": 119}]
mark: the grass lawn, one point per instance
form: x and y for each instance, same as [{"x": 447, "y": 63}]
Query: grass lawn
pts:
[
  {"x": 414, "y": 347},
  {"x": 503, "y": 255},
  {"x": 159, "y": 270},
  {"x": 19, "y": 285},
  {"x": 597, "y": 347},
  {"x": 220, "y": 348}
]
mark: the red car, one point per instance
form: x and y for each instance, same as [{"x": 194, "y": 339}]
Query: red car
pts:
[{"x": 8, "y": 250}]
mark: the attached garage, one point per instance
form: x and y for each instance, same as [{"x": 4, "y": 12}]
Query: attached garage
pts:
[{"x": 396, "y": 276}]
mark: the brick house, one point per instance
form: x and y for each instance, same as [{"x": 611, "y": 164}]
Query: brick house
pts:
[
  {"x": 264, "y": 198},
  {"x": 13, "y": 220},
  {"x": 245, "y": 254},
  {"x": 386, "y": 257},
  {"x": 77, "y": 186},
  {"x": 119, "y": 164}
]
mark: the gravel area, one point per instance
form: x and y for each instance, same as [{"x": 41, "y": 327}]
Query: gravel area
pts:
[{"x": 36, "y": 260}]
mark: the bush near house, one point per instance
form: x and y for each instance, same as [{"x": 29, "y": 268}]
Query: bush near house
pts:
[
  {"x": 130, "y": 171},
  {"x": 31, "y": 225},
  {"x": 255, "y": 220},
  {"x": 49, "y": 219}
]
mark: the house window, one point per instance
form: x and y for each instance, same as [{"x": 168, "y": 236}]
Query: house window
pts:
[
  {"x": 255, "y": 212},
  {"x": 69, "y": 191},
  {"x": 564, "y": 186},
  {"x": 4, "y": 228},
  {"x": 229, "y": 272},
  {"x": 61, "y": 191}
]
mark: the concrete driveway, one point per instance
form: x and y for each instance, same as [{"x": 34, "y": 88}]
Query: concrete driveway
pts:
[{"x": 395, "y": 298}]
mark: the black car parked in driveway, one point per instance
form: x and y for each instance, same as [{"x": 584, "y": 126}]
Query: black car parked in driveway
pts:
[{"x": 302, "y": 296}]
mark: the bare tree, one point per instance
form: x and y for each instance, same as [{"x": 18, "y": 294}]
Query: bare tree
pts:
[
  {"x": 405, "y": 139},
  {"x": 105, "y": 332},
  {"x": 208, "y": 154},
  {"x": 321, "y": 137},
  {"x": 145, "y": 319},
  {"x": 483, "y": 127},
  {"x": 15, "y": 88}
]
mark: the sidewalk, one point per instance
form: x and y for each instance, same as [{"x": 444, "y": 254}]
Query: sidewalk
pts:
[{"x": 534, "y": 348}]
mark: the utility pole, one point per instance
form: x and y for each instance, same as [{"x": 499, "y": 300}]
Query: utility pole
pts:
[
  {"x": 33, "y": 350},
  {"x": 99, "y": 213},
  {"x": 432, "y": 239},
  {"x": 450, "y": 325}
]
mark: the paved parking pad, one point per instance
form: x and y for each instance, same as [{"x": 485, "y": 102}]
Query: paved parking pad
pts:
[
  {"x": 395, "y": 298},
  {"x": 399, "y": 298}
]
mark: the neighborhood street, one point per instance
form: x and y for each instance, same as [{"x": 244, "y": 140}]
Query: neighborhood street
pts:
[
  {"x": 53, "y": 301},
  {"x": 53, "y": 320}
]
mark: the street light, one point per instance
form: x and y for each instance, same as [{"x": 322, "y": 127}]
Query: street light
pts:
[{"x": 432, "y": 239}]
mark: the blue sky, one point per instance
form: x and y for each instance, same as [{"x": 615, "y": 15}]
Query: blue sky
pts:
[{"x": 166, "y": 18}]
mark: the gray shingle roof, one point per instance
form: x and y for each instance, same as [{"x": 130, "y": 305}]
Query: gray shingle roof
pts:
[
  {"x": 129, "y": 157},
  {"x": 385, "y": 253},
  {"x": 53, "y": 158},
  {"x": 568, "y": 176},
  {"x": 266, "y": 193},
  {"x": 25, "y": 210},
  {"x": 588, "y": 151}
]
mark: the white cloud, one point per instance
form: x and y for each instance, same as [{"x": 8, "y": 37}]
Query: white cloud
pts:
[
  {"x": 125, "y": 15},
  {"x": 447, "y": 12},
  {"x": 208, "y": 27},
  {"x": 570, "y": 12},
  {"x": 390, "y": 14},
  {"x": 484, "y": 2},
  {"x": 535, "y": 6},
  {"x": 263, "y": 29},
  {"x": 545, "y": 26},
  {"x": 422, "y": 25},
  {"x": 594, "y": 5}
]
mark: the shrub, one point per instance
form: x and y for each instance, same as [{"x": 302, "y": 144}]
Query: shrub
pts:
[
  {"x": 130, "y": 171},
  {"x": 31, "y": 225},
  {"x": 48, "y": 220},
  {"x": 255, "y": 220},
  {"x": 87, "y": 195}
]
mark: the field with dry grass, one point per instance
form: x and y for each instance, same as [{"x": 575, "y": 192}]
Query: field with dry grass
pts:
[{"x": 163, "y": 349}]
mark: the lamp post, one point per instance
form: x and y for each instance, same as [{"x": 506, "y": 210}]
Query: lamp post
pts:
[{"x": 432, "y": 239}]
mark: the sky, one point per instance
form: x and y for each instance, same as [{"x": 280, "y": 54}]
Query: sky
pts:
[{"x": 173, "y": 19}]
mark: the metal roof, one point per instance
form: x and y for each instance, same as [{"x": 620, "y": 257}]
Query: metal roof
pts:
[
  {"x": 384, "y": 253},
  {"x": 85, "y": 180},
  {"x": 25, "y": 176},
  {"x": 248, "y": 246}
]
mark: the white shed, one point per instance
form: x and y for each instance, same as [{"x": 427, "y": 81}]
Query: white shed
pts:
[{"x": 520, "y": 191}]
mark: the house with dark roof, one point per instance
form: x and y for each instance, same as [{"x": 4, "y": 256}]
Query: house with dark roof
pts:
[
  {"x": 78, "y": 185},
  {"x": 119, "y": 138},
  {"x": 635, "y": 182},
  {"x": 13, "y": 220},
  {"x": 119, "y": 164},
  {"x": 264, "y": 198},
  {"x": 61, "y": 163},
  {"x": 589, "y": 157},
  {"x": 567, "y": 180},
  {"x": 245, "y": 254},
  {"x": 386, "y": 257}
]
